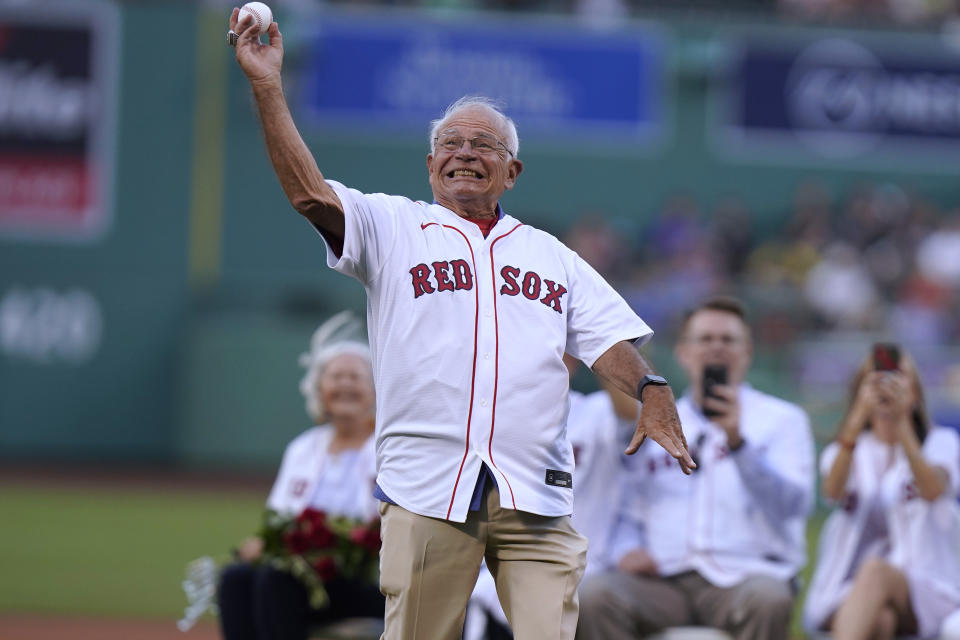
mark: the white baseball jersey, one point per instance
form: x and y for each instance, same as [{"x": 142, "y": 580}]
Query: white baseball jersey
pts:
[
  {"x": 467, "y": 335},
  {"x": 950, "y": 629},
  {"x": 925, "y": 536},
  {"x": 853, "y": 532},
  {"x": 309, "y": 476},
  {"x": 740, "y": 513},
  {"x": 882, "y": 515}
]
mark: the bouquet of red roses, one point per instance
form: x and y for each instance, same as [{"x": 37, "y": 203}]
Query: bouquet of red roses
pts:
[{"x": 315, "y": 548}]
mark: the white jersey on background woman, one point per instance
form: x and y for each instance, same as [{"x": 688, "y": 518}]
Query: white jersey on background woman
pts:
[
  {"x": 310, "y": 476},
  {"x": 883, "y": 515}
]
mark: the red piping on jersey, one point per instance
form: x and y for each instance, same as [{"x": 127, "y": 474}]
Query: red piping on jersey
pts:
[
  {"x": 496, "y": 362},
  {"x": 473, "y": 378}
]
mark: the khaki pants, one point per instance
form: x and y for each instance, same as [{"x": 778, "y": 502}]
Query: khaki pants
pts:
[
  {"x": 428, "y": 568},
  {"x": 621, "y": 606}
]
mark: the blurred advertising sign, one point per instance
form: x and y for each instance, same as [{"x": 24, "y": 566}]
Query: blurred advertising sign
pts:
[
  {"x": 554, "y": 79},
  {"x": 57, "y": 101},
  {"x": 837, "y": 97},
  {"x": 44, "y": 325}
]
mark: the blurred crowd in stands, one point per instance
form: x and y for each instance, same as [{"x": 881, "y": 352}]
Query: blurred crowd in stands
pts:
[
  {"x": 876, "y": 260},
  {"x": 855, "y": 12}
]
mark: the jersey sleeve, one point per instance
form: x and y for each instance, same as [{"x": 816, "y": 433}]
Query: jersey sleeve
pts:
[
  {"x": 942, "y": 449},
  {"x": 780, "y": 474},
  {"x": 827, "y": 457},
  {"x": 277, "y": 500},
  {"x": 598, "y": 316},
  {"x": 369, "y": 232}
]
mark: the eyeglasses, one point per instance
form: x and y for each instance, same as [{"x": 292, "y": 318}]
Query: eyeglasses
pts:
[
  {"x": 708, "y": 340},
  {"x": 482, "y": 144}
]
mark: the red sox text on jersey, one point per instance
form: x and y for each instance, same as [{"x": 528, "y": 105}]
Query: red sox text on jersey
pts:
[
  {"x": 481, "y": 387},
  {"x": 455, "y": 275}
]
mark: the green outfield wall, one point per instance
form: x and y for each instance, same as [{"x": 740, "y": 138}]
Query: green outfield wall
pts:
[{"x": 170, "y": 332}]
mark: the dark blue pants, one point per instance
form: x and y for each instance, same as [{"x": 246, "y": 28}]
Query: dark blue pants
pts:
[{"x": 260, "y": 603}]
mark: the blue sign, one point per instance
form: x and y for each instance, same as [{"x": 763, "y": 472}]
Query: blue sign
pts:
[
  {"x": 553, "y": 81},
  {"x": 841, "y": 97}
]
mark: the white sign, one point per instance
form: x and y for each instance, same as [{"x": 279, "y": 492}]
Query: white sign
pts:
[{"x": 46, "y": 326}]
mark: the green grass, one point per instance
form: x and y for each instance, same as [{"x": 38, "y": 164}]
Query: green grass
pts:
[
  {"x": 813, "y": 535},
  {"x": 117, "y": 552},
  {"x": 112, "y": 552}
]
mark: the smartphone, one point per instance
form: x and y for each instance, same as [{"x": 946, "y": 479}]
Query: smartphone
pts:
[
  {"x": 713, "y": 374},
  {"x": 886, "y": 356}
]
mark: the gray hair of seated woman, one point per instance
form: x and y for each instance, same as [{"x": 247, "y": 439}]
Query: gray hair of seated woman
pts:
[{"x": 341, "y": 334}]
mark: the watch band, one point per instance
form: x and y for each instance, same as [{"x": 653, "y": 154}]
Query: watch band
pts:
[{"x": 658, "y": 381}]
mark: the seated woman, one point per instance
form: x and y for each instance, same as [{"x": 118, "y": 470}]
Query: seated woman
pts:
[
  {"x": 889, "y": 554},
  {"x": 329, "y": 467}
]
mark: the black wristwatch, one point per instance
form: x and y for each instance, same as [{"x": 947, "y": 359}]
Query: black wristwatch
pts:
[{"x": 659, "y": 381}]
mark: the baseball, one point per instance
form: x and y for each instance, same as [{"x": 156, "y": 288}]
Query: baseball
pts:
[{"x": 262, "y": 16}]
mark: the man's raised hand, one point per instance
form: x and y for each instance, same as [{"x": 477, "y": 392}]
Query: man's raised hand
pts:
[{"x": 260, "y": 62}]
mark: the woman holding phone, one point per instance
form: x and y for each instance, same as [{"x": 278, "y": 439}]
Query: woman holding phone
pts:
[{"x": 889, "y": 556}]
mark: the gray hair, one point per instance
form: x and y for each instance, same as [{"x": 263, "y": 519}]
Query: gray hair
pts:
[
  {"x": 335, "y": 337},
  {"x": 503, "y": 121}
]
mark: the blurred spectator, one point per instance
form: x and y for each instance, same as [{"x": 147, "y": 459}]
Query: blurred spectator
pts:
[
  {"x": 907, "y": 12},
  {"x": 676, "y": 230},
  {"x": 674, "y": 263},
  {"x": 889, "y": 554},
  {"x": 887, "y": 262},
  {"x": 596, "y": 241},
  {"x": 732, "y": 236},
  {"x": 840, "y": 289},
  {"x": 784, "y": 259},
  {"x": 861, "y": 221},
  {"x": 723, "y": 548},
  {"x": 812, "y": 213},
  {"x": 938, "y": 256},
  {"x": 330, "y": 467},
  {"x": 921, "y": 314}
]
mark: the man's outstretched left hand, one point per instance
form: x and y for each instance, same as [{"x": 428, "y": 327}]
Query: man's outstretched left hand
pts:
[{"x": 659, "y": 422}]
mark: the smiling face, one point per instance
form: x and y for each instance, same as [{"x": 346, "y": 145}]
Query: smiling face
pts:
[
  {"x": 466, "y": 180},
  {"x": 345, "y": 388}
]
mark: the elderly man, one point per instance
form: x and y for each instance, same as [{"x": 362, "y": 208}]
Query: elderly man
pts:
[
  {"x": 723, "y": 549},
  {"x": 469, "y": 313}
]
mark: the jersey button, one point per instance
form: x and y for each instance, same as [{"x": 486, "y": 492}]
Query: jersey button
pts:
[
  {"x": 486, "y": 356},
  {"x": 483, "y": 402}
]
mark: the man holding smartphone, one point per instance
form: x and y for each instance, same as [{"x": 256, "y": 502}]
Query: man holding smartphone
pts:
[{"x": 723, "y": 549}]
